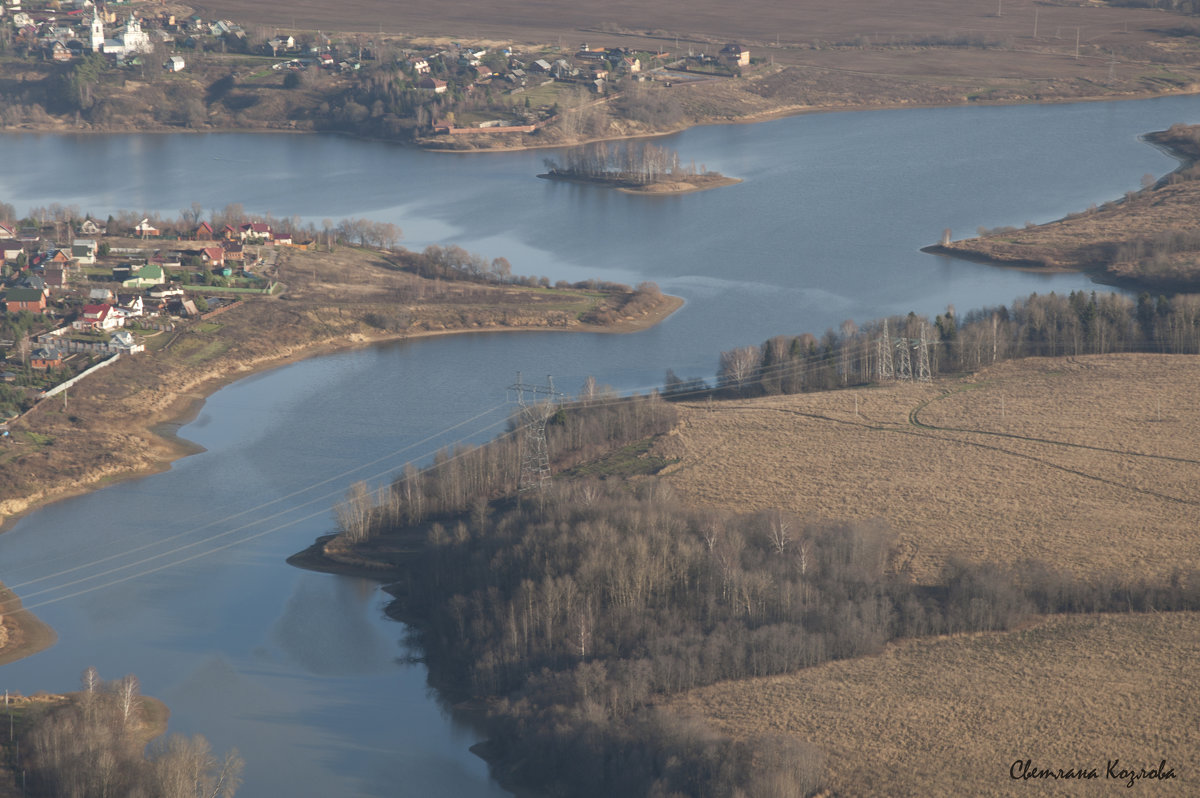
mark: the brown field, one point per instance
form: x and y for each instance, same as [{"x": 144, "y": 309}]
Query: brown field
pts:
[
  {"x": 755, "y": 22},
  {"x": 853, "y": 52},
  {"x": 1087, "y": 463},
  {"x": 1091, "y": 464},
  {"x": 949, "y": 716}
]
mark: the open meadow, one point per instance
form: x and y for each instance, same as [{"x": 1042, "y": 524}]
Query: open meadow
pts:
[
  {"x": 950, "y": 716},
  {"x": 1089, "y": 464}
]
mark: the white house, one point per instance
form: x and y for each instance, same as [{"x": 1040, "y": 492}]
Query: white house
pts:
[
  {"x": 123, "y": 340},
  {"x": 174, "y": 64}
]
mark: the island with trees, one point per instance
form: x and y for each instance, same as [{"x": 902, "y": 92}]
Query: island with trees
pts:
[{"x": 635, "y": 167}]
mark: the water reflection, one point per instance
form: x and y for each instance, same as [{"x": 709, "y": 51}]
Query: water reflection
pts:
[{"x": 323, "y": 627}]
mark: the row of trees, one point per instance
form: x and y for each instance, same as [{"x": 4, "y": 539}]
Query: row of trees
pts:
[
  {"x": 633, "y": 162},
  {"x": 1047, "y": 325},
  {"x": 94, "y": 745},
  {"x": 467, "y": 478}
]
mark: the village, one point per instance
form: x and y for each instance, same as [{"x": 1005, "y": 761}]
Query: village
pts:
[
  {"x": 209, "y": 73},
  {"x": 76, "y": 303}
]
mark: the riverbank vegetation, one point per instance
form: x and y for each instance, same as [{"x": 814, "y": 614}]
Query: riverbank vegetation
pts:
[
  {"x": 1149, "y": 238},
  {"x": 94, "y": 743},
  {"x": 580, "y": 611}
]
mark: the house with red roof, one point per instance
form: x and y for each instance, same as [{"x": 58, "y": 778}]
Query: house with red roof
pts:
[
  {"x": 213, "y": 256},
  {"x": 98, "y": 317},
  {"x": 259, "y": 230}
]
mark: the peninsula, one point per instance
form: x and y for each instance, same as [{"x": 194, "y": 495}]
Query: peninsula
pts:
[
  {"x": 216, "y": 319},
  {"x": 1148, "y": 239}
]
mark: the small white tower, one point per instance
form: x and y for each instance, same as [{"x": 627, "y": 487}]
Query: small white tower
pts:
[{"x": 97, "y": 32}]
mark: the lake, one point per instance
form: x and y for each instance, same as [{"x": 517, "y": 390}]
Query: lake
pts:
[{"x": 180, "y": 577}]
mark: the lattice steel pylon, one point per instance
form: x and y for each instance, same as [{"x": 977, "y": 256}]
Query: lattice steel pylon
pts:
[
  {"x": 885, "y": 366},
  {"x": 924, "y": 373},
  {"x": 535, "y": 457},
  {"x": 904, "y": 366}
]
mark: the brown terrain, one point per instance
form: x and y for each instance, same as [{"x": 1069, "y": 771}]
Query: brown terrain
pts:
[
  {"x": 950, "y": 716},
  {"x": 1086, "y": 464},
  {"x": 838, "y": 54}
]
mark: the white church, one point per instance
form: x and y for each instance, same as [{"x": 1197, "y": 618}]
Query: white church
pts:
[{"x": 130, "y": 41}]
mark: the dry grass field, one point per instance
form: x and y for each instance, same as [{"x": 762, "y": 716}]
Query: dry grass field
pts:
[
  {"x": 949, "y": 716},
  {"x": 1091, "y": 464},
  {"x": 755, "y": 22},
  {"x": 855, "y": 52}
]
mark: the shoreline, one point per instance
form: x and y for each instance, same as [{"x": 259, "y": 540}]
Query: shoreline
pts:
[
  {"x": 782, "y": 112},
  {"x": 974, "y": 249},
  {"x": 429, "y": 143},
  {"x": 34, "y": 635},
  {"x": 184, "y": 408},
  {"x": 28, "y": 634},
  {"x": 660, "y": 188}
]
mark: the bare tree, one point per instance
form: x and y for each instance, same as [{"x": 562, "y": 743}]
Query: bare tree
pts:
[
  {"x": 186, "y": 768},
  {"x": 737, "y": 367},
  {"x": 129, "y": 699}
]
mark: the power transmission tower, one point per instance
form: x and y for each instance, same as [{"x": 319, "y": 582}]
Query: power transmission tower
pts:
[
  {"x": 923, "y": 371},
  {"x": 904, "y": 367},
  {"x": 535, "y": 411},
  {"x": 885, "y": 367}
]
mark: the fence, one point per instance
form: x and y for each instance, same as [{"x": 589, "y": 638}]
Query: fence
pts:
[{"x": 62, "y": 386}]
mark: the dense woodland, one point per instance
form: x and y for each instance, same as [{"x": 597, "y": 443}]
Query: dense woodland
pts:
[
  {"x": 575, "y": 609},
  {"x": 94, "y": 745},
  {"x": 1039, "y": 326}
]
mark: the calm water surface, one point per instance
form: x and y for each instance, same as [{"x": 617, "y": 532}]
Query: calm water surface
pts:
[{"x": 300, "y": 671}]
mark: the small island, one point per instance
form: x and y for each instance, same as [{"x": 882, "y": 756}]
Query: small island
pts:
[{"x": 636, "y": 168}]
